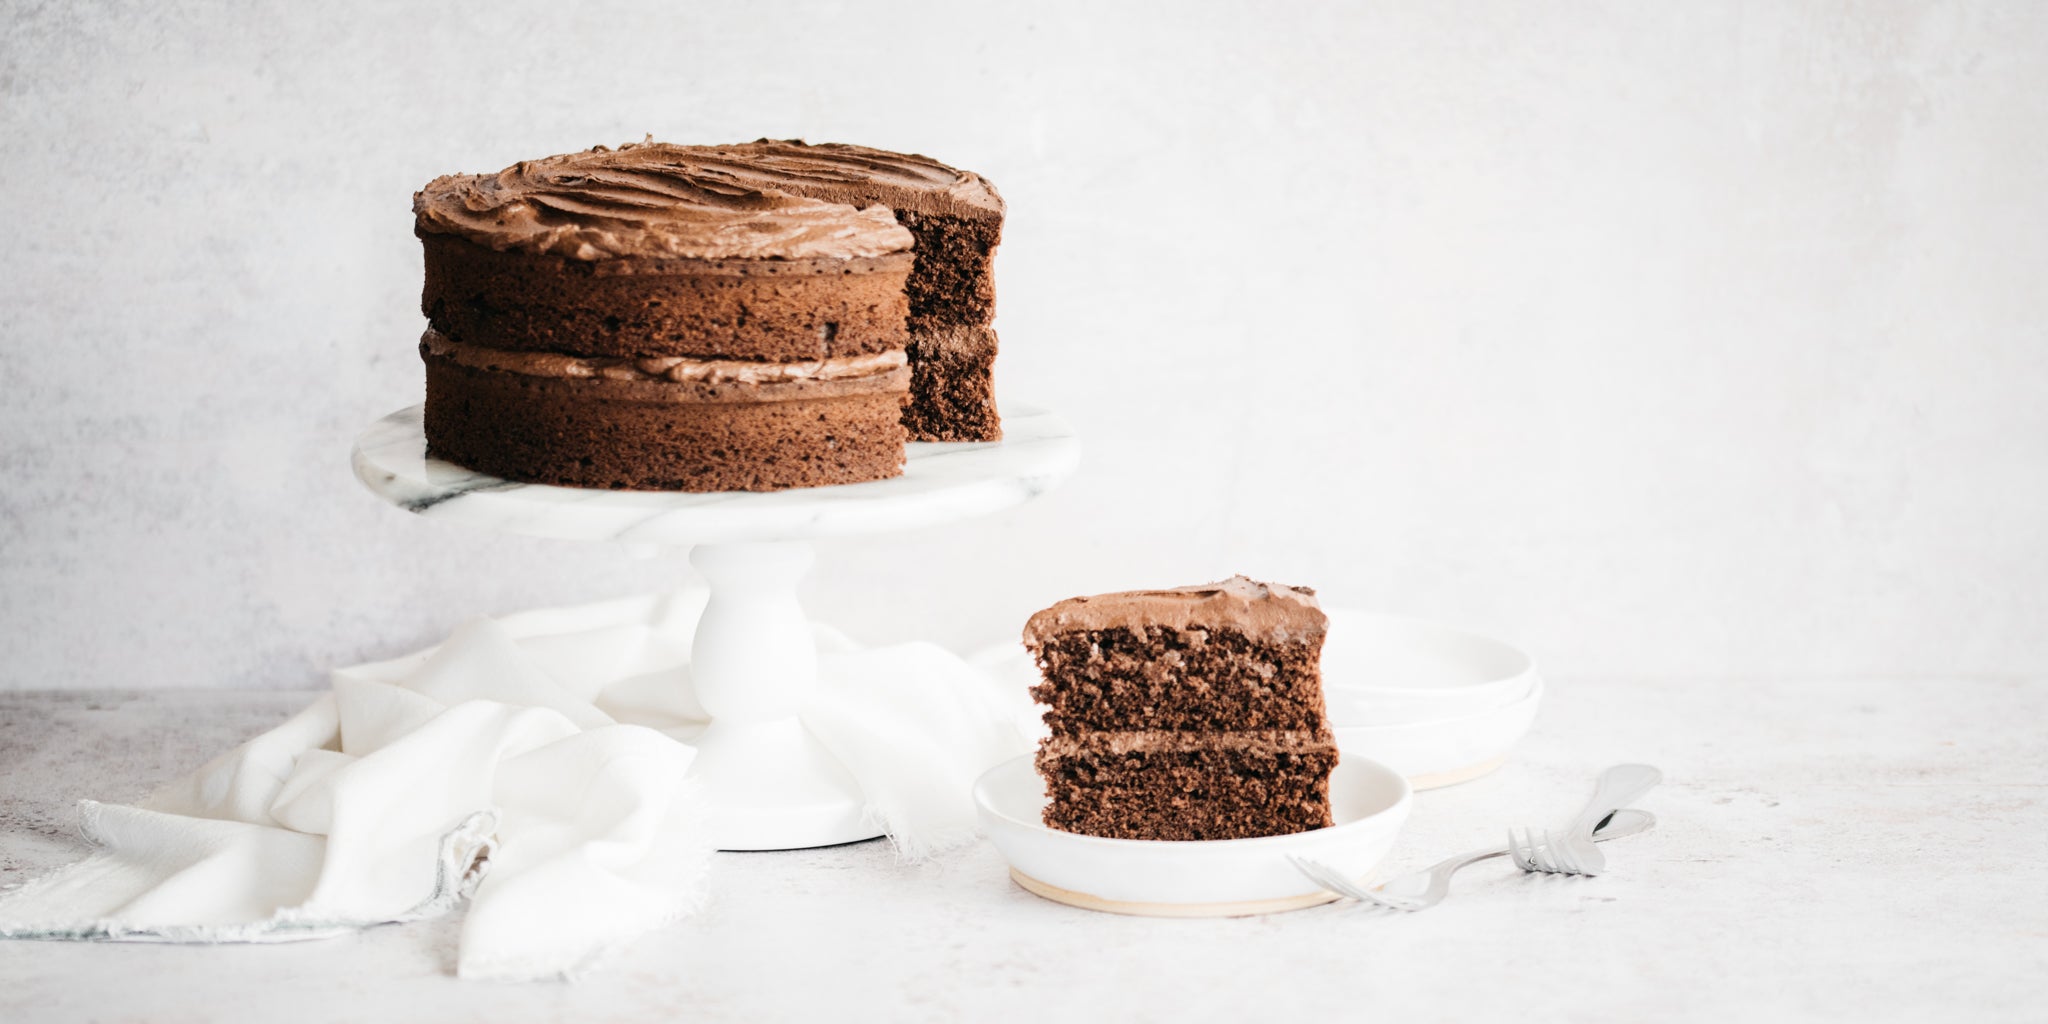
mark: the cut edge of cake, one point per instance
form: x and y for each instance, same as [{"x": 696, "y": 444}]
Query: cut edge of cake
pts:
[{"x": 956, "y": 217}]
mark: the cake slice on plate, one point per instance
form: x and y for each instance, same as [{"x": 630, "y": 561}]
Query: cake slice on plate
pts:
[{"x": 1190, "y": 713}]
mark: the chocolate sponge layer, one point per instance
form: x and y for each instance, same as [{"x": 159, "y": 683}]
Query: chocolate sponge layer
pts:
[
  {"x": 1228, "y": 792},
  {"x": 642, "y": 436},
  {"x": 953, "y": 282},
  {"x": 1158, "y": 677},
  {"x": 770, "y": 310},
  {"x": 952, "y": 385}
]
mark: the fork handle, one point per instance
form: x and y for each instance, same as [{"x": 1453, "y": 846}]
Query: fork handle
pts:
[{"x": 1618, "y": 787}]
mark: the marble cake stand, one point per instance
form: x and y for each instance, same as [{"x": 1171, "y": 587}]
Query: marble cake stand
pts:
[{"x": 754, "y": 664}]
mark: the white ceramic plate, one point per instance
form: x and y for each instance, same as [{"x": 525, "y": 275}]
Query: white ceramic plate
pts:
[
  {"x": 1445, "y": 751},
  {"x": 1223, "y": 878},
  {"x": 1382, "y": 669}
]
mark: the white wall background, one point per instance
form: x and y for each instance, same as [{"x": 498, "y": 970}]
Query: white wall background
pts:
[{"x": 1676, "y": 340}]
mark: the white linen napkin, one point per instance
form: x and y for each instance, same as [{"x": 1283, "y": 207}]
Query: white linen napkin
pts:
[{"x": 530, "y": 764}]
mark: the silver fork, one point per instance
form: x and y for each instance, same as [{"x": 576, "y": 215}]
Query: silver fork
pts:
[
  {"x": 1435, "y": 881},
  {"x": 1571, "y": 852}
]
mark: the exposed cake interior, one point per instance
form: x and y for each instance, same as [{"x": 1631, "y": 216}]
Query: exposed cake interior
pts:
[
  {"x": 952, "y": 347},
  {"x": 1144, "y": 786},
  {"x": 956, "y": 218},
  {"x": 952, "y": 385},
  {"x": 953, "y": 283},
  {"x": 1187, "y": 714}
]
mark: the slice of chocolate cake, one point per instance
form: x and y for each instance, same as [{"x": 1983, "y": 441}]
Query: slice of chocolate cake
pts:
[{"x": 1191, "y": 713}]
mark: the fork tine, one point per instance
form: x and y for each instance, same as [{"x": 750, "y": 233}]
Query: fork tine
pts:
[
  {"x": 1333, "y": 881},
  {"x": 1561, "y": 855},
  {"x": 1329, "y": 879},
  {"x": 1570, "y": 858},
  {"x": 1531, "y": 852},
  {"x": 1359, "y": 890},
  {"x": 1394, "y": 902},
  {"x": 1552, "y": 856},
  {"x": 1309, "y": 869},
  {"x": 1515, "y": 851},
  {"x": 1387, "y": 900},
  {"x": 1325, "y": 876},
  {"x": 1354, "y": 889},
  {"x": 1540, "y": 851}
]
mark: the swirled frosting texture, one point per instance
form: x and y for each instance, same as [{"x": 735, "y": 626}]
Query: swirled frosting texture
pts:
[
  {"x": 648, "y": 200},
  {"x": 840, "y": 173}
]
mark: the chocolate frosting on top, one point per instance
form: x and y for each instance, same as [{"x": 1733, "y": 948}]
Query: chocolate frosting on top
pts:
[
  {"x": 649, "y": 200},
  {"x": 1238, "y": 603},
  {"x": 841, "y": 173}
]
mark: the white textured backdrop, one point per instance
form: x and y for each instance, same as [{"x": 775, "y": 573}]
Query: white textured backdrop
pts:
[{"x": 1675, "y": 340}]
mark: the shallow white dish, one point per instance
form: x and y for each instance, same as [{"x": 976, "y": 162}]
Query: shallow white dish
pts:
[
  {"x": 1381, "y": 669},
  {"x": 1224, "y": 878},
  {"x": 1444, "y": 751}
]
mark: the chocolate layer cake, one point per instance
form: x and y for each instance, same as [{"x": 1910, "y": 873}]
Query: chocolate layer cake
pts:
[
  {"x": 633, "y": 319},
  {"x": 957, "y": 219},
  {"x": 1191, "y": 713}
]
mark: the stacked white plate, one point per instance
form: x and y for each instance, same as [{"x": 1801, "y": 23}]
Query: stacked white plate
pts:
[{"x": 1436, "y": 703}]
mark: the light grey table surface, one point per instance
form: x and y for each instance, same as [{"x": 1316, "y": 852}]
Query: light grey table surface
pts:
[{"x": 1849, "y": 850}]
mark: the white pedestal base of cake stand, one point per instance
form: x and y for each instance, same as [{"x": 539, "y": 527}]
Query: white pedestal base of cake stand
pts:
[{"x": 753, "y": 660}]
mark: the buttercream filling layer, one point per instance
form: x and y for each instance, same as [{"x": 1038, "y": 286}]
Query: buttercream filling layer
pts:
[
  {"x": 674, "y": 369},
  {"x": 1169, "y": 741}
]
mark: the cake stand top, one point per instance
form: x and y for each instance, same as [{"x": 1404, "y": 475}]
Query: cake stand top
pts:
[{"x": 940, "y": 483}]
